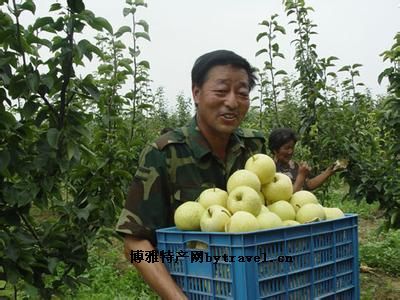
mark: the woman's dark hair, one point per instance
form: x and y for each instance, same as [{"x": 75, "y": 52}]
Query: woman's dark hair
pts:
[
  {"x": 279, "y": 137},
  {"x": 220, "y": 58}
]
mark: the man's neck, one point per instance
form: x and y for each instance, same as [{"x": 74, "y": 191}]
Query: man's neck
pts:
[{"x": 218, "y": 142}]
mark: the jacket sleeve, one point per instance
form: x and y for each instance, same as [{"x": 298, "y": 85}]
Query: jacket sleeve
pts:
[{"x": 148, "y": 205}]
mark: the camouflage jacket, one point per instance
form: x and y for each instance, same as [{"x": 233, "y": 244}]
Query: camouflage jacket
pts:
[{"x": 176, "y": 168}]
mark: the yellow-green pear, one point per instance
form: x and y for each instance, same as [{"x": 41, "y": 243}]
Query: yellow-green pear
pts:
[
  {"x": 243, "y": 178},
  {"x": 333, "y": 213},
  {"x": 290, "y": 223},
  {"x": 242, "y": 221},
  {"x": 244, "y": 198},
  {"x": 213, "y": 196},
  {"x": 214, "y": 218},
  {"x": 310, "y": 212},
  {"x": 280, "y": 188},
  {"x": 263, "y": 166},
  {"x": 187, "y": 215},
  {"x": 283, "y": 209},
  {"x": 302, "y": 197},
  {"x": 269, "y": 220},
  {"x": 264, "y": 209}
]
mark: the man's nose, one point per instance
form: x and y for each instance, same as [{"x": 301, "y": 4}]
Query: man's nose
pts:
[{"x": 231, "y": 100}]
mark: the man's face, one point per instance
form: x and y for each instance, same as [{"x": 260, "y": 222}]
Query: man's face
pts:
[{"x": 223, "y": 100}]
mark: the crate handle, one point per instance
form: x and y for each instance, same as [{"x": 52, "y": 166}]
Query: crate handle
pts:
[{"x": 196, "y": 245}]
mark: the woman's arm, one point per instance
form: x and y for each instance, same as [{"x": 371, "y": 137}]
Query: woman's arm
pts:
[
  {"x": 301, "y": 177},
  {"x": 155, "y": 274},
  {"x": 318, "y": 180}
]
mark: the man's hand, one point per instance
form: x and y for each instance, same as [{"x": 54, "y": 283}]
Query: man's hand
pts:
[{"x": 155, "y": 274}]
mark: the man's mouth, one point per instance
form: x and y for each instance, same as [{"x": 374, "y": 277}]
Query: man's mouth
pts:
[{"x": 229, "y": 116}]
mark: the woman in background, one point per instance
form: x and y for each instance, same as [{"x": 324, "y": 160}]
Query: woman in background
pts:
[{"x": 282, "y": 142}]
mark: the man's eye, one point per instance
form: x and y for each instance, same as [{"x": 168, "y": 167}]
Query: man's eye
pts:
[{"x": 220, "y": 92}]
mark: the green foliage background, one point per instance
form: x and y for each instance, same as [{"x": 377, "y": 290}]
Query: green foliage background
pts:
[{"x": 69, "y": 142}]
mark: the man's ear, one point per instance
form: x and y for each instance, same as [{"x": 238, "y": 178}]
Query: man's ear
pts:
[{"x": 195, "y": 94}]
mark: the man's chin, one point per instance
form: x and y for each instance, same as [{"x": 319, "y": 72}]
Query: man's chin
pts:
[{"x": 224, "y": 129}]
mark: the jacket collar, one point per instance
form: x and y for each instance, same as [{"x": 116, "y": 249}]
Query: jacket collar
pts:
[{"x": 200, "y": 145}]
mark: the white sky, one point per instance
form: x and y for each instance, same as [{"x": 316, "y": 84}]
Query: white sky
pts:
[{"x": 355, "y": 31}]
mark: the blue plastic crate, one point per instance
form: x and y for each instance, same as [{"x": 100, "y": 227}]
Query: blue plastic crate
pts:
[{"x": 311, "y": 261}]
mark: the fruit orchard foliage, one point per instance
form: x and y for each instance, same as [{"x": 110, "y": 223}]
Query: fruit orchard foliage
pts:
[
  {"x": 335, "y": 118},
  {"x": 68, "y": 144}
]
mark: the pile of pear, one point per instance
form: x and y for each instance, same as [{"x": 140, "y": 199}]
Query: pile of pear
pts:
[{"x": 256, "y": 198}]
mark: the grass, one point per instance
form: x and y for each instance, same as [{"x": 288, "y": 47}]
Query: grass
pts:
[{"x": 111, "y": 276}]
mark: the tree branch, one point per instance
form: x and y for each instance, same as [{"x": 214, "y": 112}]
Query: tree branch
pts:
[
  {"x": 67, "y": 72},
  {"x": 49, "y": 105}
]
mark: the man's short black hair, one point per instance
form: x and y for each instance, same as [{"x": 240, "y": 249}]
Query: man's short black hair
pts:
[
  {"x": 279, "y": 137},
  {"x": 220, "y": 58}
]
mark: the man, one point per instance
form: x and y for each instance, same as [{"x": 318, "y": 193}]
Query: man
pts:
[{"x": 185, "y": 161}]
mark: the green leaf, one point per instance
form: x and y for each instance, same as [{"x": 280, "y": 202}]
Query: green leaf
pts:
[
  {"x": 140, "y": 3},
  {"x": 264, "y": 23},
  {"x": 126, "y": 11},
  {"x": 145, "y": 106},
  {"x": 90, "y": 87},
  {"x": 12, "y": 252},
  {"x": 122, "y": 30},
  {"x": 88, "y": 48},
  {"x": 141, "y": 78},
  {"x": 55, "y": 6},
  {"x": 76, "y": 6},
  {"x": 29, "y": 108},
  {"x": 142, "y": 35},
  {"x": 144, "y": 24},
  {"x": 122, "y": 173},
  {"x": 145, "y": 64},
  {"x": 84, "y": 213},
  {"x": 70, "y": 150},
  {"x": 261, "y": 35},
  {"x": 7, "y": 119},
  {"x": 261, "y": 51},
  {"x": 40, "y": 22},
  {"x": 33, "y": 39},
  {"x": 278, "y": 54},
  {"x": 126, "y": 65},
  {"x": 99, "y": 23},
  {"x": 53, "y": 136},
  {"x": 4, "y": 159},
  {"x": 279, "y": 28},
  {"x": 29, "y": 5},
  {"x": 280, "y": 72},
  {"x": 332, "y": 74},
  {"x": 33, "y": 81},
  {"x": 105, "y": 69},
  {"x": 330, "y": 58},
  {"x": 345, "y": 68},
  {"x": 31, "y": 290}
]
